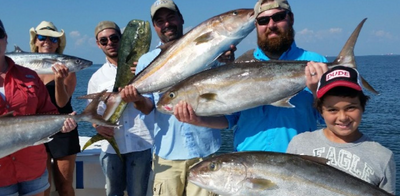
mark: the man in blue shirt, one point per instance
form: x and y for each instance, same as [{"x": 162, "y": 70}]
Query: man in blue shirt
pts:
[
  {"x": 270, "y": 128},
  {"x": 177, "y": 145}
]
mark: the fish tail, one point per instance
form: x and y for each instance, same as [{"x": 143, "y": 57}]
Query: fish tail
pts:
[
  {"x": 99, "y": 137},
  {"x": 346, "y": 56}
]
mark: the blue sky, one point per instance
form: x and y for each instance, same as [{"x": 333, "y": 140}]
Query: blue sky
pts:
[{"x": 322, "y": 26}]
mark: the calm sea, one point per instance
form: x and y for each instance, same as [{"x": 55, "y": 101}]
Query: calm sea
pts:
[{"x": 381, "y": 120}]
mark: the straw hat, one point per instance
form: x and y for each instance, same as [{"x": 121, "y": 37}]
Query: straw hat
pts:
[{"x": 46, "y": 28}]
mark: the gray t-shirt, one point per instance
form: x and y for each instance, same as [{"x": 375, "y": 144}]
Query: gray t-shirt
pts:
[{"x": 364, "y": 158}]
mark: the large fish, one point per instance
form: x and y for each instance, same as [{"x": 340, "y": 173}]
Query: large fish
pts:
[
  {"x": 135, "y": 42},
  {"x": 192, "y": 53},
  {"x": 42, "y": 62},
  {"x": 18, "y": 132},
  {"x": 267, "y": 173},
  {"x": 243, "y": 85}
]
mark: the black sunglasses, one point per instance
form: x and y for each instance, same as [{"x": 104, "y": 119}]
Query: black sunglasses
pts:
[
  {"x": 43, "y": 38},
  {"x": 264, "y": 20},
  {"x": 113, "y": 38},
  {"x": 2, "y": 34}
]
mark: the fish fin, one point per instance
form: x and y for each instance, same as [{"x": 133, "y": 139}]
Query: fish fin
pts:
[
  {"x": 284, "y": 103},
  {"x": 261, "y": 184},
  {"x": 204, "y": 38},
  {"x": 42, "y": 141},
  {"x": 8, "y": 114},
  {"x": 50, "y": 61},
  {"x": 315, "y": 159},
  {"x": 208, "y": 97},
  {"x": 90, "y": 113},
  {"x": 18, "y": 49},
  {"x": 368, "y": 86},
  {"x": 346, "y": 55},
  {"x": 104, "y": 96}
]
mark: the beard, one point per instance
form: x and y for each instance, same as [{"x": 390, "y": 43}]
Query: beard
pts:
[
  {"x": 168, "y": 36},
  {"x": 276, "y": 45}
]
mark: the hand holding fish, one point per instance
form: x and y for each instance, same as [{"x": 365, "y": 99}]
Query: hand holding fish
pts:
[
  {"x": 69, "y": 124},
  {"x": 185, "y": 113},
  {"x": 313, "y": 73},
  {"x": 130, "y": 94},
  {"x": 228, "y": 56},
  {"x": 60, "y": 70},
  {"x": 107, "y": 132}
]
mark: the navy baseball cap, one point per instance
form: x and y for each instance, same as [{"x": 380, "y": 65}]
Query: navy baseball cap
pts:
[{"x": 339, "y": 76}]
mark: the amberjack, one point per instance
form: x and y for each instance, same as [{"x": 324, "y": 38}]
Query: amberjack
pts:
[
  {"x": 256, "y": 173},
  {"x": 42, "y": 63},
  {"x": 247, "y": 84},
  {"x": 192, "y": 53},
  {"x": 18, "y": 132}
]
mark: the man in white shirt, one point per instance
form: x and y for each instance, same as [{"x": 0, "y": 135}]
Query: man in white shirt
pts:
[{"x": 133, "y": 138}]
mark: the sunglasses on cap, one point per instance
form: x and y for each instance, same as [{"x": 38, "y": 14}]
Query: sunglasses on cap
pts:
[
  {"x": 43, "y": 38},
  {"x": 2, "y": 34},
  {"x": 114, "y": 38},
  {"x": 264, "y": 20}
]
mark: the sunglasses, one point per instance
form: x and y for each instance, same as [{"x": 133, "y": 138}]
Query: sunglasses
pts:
[
  {"x": 43, "y": 38},
  {"x": 113, "y": 38},
  {"x": 264, "y": 20},
  {"x": 2, "y": 34}
]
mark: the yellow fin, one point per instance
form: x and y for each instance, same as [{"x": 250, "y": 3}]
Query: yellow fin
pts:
[
  {"x": 208, "y": 97},
  {"x": 204, "y": 38},
  {"x": 262, "y": 184}
]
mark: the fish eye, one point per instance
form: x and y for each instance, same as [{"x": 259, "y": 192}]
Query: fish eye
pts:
[
  {"x": 171, "y": 95},
  {"x": 213, "y": 166},
  {"x": 235, "y": 13},
  {"x": 141, "y": 31},
  {"x": 78, "y": 61}
]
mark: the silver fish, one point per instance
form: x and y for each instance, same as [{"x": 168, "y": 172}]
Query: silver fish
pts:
[
  {"x": 191, "y": 53},
  {"x": 256, "y": 173},
  {"x": 43, "y": 62},
  {"x": 22, "y": 131},
  {"x": 243, "y": 85}
]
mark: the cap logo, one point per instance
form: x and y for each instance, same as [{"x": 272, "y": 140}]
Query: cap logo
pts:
[
  {"x": 337, "y": 74},
  {"x": 160, "y": 2}
]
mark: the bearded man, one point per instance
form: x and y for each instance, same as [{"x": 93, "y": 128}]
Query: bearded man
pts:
[{"x": 267, "y": 127}]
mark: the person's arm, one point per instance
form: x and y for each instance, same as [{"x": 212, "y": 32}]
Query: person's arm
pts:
[
  {"x": 65, "y": 84},
  {"x": 185, "y": 113}
]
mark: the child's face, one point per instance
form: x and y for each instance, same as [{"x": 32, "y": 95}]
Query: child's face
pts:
[{"x": 342, "y": 116}]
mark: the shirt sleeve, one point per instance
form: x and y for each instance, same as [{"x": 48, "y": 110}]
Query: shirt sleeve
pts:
[{"x": 388, "y": 183}]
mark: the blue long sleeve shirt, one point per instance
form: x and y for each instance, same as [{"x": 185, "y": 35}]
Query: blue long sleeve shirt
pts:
[
  {"x": 174, "y": 140},
  {"x": 270, "y": 128}
]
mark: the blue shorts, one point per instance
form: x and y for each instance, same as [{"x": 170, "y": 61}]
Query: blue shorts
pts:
[{"x": 32, "y": 187}]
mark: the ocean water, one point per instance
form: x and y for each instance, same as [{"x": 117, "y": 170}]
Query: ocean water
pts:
[{"x": 381, "y": 120}]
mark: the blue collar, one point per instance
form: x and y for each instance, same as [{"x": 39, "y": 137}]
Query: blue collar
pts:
[{"x": 259, "y": 54}]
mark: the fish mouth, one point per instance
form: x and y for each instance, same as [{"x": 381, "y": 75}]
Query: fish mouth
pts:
[{"x": 168, "y": 107}]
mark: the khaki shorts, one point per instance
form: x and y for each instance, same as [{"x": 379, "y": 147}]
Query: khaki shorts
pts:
[{"x": 170, "y": 178}]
